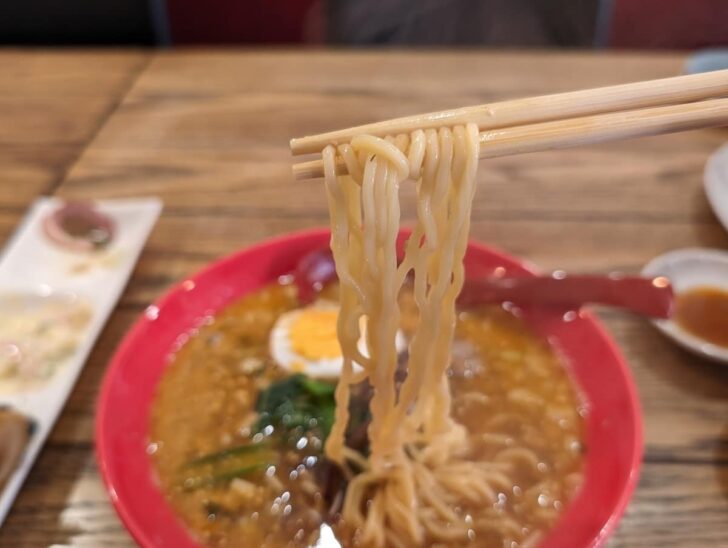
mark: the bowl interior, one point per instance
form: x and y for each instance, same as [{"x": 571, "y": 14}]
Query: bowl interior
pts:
[{"x": 613, "y": 436}]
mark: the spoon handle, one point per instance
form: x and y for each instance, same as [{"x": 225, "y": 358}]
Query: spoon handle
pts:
[{"x": 646, "y": 296}]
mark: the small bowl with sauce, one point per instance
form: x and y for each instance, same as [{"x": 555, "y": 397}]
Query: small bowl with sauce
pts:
[{"x": 699, "y": 322}]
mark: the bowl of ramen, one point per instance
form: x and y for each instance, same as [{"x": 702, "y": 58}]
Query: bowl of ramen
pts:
[{"x": 233, "y": 415}]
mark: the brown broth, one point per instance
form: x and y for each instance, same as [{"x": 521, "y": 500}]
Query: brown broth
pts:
[
  {"x": 703, "y": 312},
  {"x": 509, "y": 389}
]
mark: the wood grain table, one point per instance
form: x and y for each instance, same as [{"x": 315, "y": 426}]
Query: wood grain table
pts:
[{"x": 208, "y": 132}]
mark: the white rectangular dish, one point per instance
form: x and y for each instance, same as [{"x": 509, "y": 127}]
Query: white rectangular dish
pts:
[{"x": 41, "y": 281}]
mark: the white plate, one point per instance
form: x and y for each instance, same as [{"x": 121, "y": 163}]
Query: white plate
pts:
[
  {"x": 688, "y": 268},
  {"x": 32, "y": 269},
  {"x": 716, "y": 183}
]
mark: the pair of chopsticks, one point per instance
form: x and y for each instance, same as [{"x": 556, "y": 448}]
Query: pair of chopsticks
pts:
[{"x": 558, "y": 121}]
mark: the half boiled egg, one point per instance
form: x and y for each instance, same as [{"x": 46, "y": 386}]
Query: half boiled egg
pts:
[{"x": 304, "y": 341}]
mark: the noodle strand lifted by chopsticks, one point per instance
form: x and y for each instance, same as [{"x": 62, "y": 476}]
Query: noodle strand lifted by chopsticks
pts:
[{"x": 417, "y": 468}]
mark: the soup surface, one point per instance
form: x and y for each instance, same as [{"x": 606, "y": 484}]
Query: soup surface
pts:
[{"x": 239, "y": 478}]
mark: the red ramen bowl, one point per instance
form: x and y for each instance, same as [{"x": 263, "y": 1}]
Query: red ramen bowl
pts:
[{"x": 613, "y": 425}]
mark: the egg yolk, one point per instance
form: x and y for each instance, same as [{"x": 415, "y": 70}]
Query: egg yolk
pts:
[{"x": 313, "y": 334}]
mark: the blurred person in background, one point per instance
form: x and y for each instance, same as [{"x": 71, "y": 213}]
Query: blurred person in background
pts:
[
  {"x": 527, "y": 23},
  {"x": 676, "y": 24}
]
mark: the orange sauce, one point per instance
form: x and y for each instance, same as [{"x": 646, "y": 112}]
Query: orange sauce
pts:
[{"x": 703, "y": 312}]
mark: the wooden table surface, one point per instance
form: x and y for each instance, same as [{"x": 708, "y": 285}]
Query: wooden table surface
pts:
[{"x": 208, "y": 132}]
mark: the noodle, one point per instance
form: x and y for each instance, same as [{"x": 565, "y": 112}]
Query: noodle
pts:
[
  {"x": 417, "y": 469},
  {"x": 493, "y": 468}
]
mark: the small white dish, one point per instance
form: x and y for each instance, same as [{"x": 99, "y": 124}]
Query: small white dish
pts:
[
  {"x": 688, "y": 268},
  {"x": 715, "y": 180}
]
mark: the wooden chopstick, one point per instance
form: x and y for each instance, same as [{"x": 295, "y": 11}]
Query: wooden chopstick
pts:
[
  {"x": 651, "y": 93},
  {"x": 580, "y": 131}
]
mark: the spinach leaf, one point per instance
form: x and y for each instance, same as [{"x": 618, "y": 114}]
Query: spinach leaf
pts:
[
  {"x": 236, "y": 451},
  {"x": 296, "y": 405}
]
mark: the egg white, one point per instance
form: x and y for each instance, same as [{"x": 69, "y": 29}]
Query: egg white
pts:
[{"x": 281, "y": 348}]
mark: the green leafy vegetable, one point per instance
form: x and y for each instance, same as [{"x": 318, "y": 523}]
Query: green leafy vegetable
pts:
[
  {"x": 297, "y": 403},
  {"x": 222, "y": 466},
  {"x": 317, "y": 388},
  {"x": 237, "y": 451}
]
